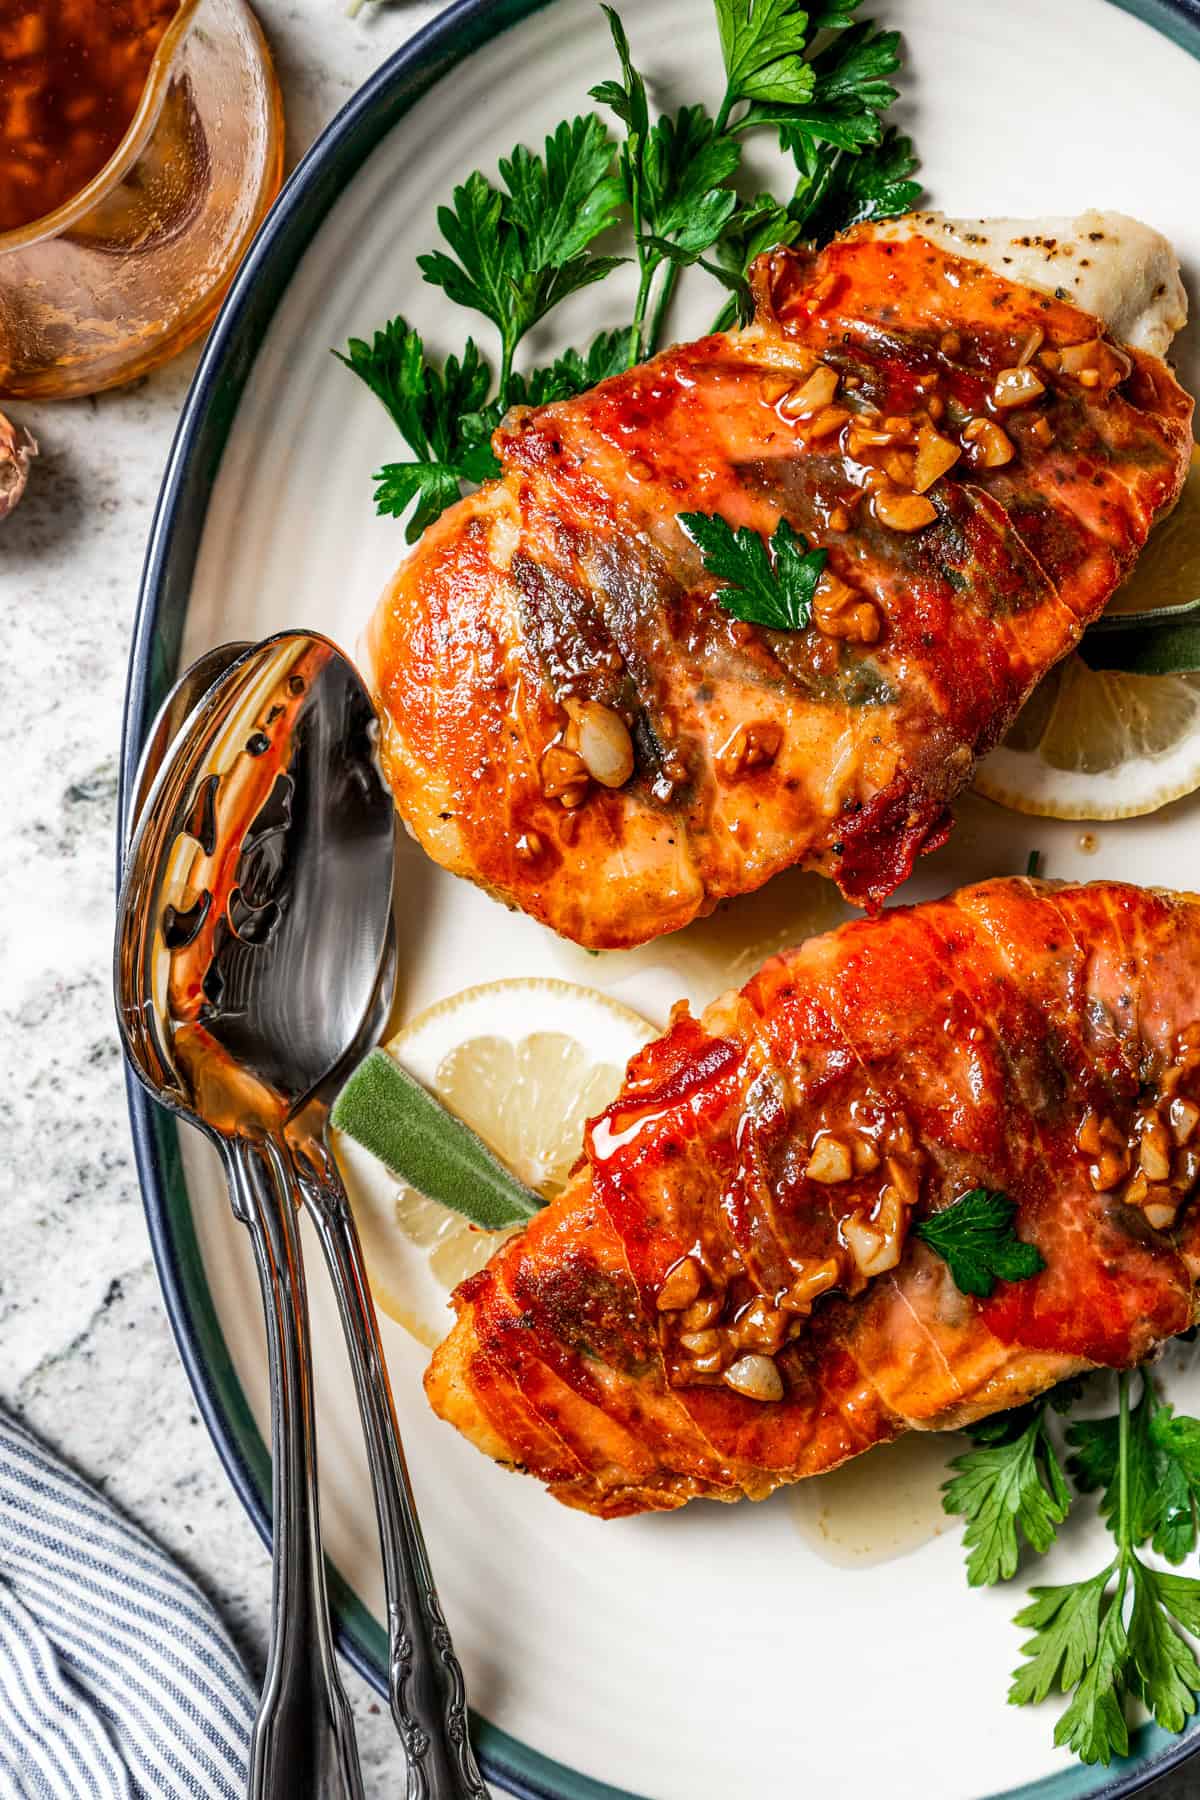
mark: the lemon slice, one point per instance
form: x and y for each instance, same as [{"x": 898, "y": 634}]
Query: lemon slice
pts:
[
  {"x": 524, "y": 1063},
  {"x": 1100, "y": 743}
]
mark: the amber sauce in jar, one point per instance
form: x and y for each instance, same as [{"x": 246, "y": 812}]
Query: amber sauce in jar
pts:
[{"x": 71, "y": 75}]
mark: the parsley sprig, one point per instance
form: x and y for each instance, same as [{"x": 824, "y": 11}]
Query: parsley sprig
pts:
[
  {"x": 673, "y": 173},
  {"x": 435, "y": 410},
  {"x": 1162, "y": 1472},
  {"x": 1118, "y": 1634},
  {"x": 765, "y": 584},
  {"x": 763, "y": 44},
  {"x": 514, "y": 248},
  {"x": 828, "y": 110},
  {"x": 975, "y": 1238}
]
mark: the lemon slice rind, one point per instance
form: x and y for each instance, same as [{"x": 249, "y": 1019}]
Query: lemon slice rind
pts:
[{"x": 1124, "y": 782}]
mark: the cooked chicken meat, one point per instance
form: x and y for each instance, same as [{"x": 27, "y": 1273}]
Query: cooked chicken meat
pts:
[
  {"x": 1106, "y": 263},
  {"x": 574, "y": 720},
  {"x": 731, "y": 1292}
]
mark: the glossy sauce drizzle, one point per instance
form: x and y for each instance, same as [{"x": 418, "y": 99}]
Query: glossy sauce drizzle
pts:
[{"x": 879, "y": 1506}]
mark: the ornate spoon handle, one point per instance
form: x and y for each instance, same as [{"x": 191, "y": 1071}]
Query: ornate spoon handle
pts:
[
  {"x": 303, "y": 1743},
  {"x": 425, "y": 1682}
]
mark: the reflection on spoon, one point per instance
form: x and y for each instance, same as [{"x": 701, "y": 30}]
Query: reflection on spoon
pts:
[{"x": 879, "y": 1506}]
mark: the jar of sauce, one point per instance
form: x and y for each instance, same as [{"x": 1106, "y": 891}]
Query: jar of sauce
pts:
[{"x": 141, "y": 142}]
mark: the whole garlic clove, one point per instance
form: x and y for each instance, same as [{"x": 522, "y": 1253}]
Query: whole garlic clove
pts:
[
  {"x": 18, "y": 447},
  {"x": 604, "y": 744}
]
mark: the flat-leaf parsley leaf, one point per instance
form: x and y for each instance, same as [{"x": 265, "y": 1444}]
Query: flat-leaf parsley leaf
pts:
[
  {"x": 432, "y": 408},
  {"x": 672, "y": 176},
  {"x": 518, "y": 253},
  {"x": 763, "y": 44},
  {"x": 445, "y": 416},
  {"x": 1009, "y": 1486},
  {"x": 836, "y": 190},
  {"x": 975, "y": 1238},
  {"x": 1162, "y": 1477},
  {"x": 772, "y": 587}
]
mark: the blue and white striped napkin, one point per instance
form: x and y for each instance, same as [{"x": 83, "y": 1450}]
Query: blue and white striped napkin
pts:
[{"x": 117, "y": 1679}]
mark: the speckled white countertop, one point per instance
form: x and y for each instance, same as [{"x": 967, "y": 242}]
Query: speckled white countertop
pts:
[{"x": 86, "y": 1355}]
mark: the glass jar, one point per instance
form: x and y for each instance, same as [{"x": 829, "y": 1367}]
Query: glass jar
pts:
[{"x": 131, "y": 268}]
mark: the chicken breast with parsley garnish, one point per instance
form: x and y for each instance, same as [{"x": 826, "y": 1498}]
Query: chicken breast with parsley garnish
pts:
[
  {"x": 916, "y": 1172},
  {"x": 972, "y": 426}
]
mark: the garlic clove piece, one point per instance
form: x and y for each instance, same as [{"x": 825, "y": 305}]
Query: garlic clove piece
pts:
[
  {"x": 755, "y": 1377},
  {"x": 605, "y": 746}
]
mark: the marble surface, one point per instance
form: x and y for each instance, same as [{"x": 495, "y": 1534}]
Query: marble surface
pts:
[{"x": 86, "y": 1354}]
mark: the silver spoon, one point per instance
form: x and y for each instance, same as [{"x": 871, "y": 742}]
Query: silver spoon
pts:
[
  {"x": 426, "y": 1688},
  {"x": 251, "y": 926}
]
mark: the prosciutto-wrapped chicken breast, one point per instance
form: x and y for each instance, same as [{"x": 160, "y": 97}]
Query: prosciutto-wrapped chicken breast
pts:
[
  {"x": 734, "y": 1291},
  {"x": 571, "y": 716}
]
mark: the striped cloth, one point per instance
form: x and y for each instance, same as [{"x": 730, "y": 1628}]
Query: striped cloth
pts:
[{"x": 117, "y": 1679}]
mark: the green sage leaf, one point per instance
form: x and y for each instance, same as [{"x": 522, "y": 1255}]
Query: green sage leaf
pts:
[
  {"x": 390, "y": 1114},
  {"x": 1162, "y": 641}
]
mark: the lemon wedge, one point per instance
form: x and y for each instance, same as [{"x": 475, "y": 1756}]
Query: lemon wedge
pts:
[
  {"x": 1100, "y": 743},
  {"x": 524, "y": 1063}
]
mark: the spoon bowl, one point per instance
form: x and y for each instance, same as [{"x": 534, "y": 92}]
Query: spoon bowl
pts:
[{"x": 257, "y": 895}]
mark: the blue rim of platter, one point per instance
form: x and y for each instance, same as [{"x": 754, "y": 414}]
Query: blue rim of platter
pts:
[{"x": 195, "y": 456}]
